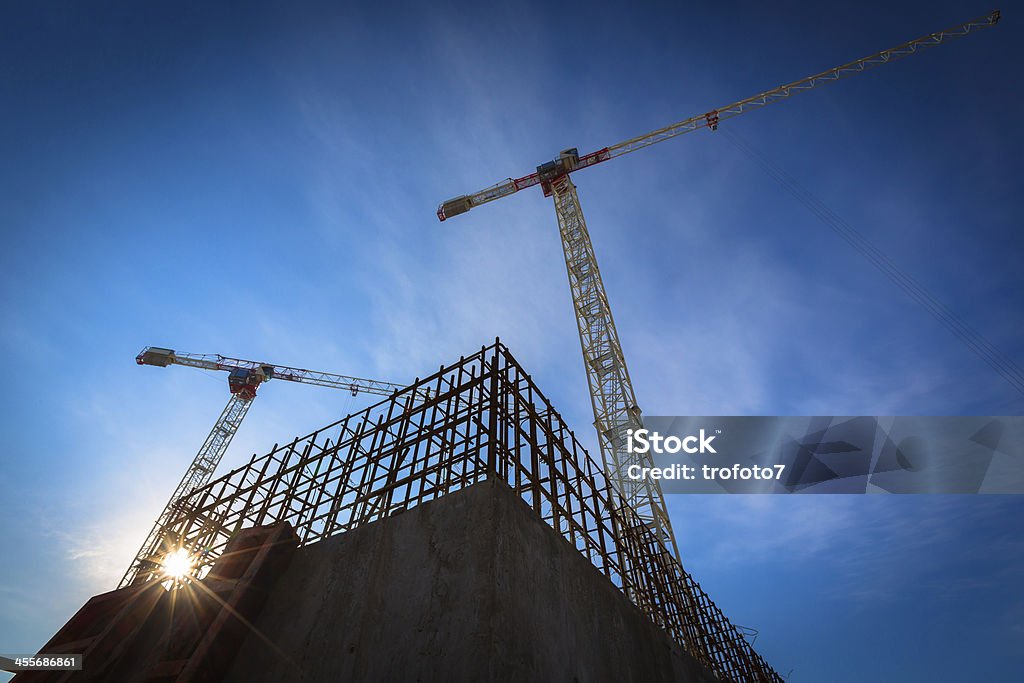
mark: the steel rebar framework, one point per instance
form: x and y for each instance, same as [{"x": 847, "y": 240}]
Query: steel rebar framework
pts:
[{"x": 486, "y": 419}]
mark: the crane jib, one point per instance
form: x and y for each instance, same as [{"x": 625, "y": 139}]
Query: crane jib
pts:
[{"x": 548, "y": 172}]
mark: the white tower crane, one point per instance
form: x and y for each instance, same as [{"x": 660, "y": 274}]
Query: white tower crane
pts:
[
  {"x": 244, "y": 378},
  {"x": 611, "y": 391}
]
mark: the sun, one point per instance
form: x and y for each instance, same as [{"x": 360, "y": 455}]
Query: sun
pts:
[{"x": 178, "y": 564}]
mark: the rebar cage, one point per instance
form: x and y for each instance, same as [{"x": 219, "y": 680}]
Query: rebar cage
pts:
[{"x": 485, "y": 418}]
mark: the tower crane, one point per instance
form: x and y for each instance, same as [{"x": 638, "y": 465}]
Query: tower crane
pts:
[
  {"x": 611, "y": 391},
  {"x": 244, "y": 378}
]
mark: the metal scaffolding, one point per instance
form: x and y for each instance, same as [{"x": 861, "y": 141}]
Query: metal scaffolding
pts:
[{"x": 485, "y": 418}]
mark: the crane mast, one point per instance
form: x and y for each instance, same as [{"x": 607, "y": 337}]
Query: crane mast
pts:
[
  {"x": 611, "y": 391},
  {"x": 244, "y": 378},
  {"x": 199, "y": 473}
]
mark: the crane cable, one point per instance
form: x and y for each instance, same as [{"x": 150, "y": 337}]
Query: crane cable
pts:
[{"x": 972, "y": 339}]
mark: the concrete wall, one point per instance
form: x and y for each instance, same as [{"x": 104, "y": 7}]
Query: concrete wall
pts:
[{"x": 471, "y": 587}]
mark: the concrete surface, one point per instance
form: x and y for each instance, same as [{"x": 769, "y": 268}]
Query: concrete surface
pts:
[{"x": 470, "y": 587}]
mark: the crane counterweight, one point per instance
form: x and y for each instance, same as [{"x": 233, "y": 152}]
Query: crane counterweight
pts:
[
  {"x": 453, "y": 207},
  {"x": 154, "y": 355}
]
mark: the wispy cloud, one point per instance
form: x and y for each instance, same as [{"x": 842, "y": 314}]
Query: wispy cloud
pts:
[{"x": 871, "y": 549}]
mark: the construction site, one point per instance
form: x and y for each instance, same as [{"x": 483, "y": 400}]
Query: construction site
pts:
[
  {"x": 457, "y": 529},
  {"x": 393, "y": 543}
]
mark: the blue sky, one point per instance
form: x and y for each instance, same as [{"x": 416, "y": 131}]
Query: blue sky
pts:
[{"x": 262, "y": 183}]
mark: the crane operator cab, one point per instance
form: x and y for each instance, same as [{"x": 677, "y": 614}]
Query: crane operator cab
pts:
[
  {"x": 244, "y": 382},
  {"x": 568, "y": 160}
]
